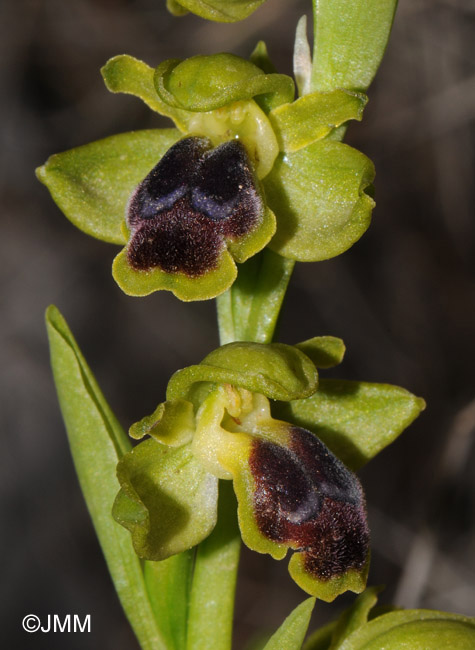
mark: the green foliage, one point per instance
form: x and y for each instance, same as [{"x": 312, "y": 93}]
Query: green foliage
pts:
[
  {"x": 291, "y": 633},
  {"x": 97, "y": 442}
]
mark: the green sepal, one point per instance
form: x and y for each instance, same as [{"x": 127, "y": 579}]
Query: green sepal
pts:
[
  {"x": 125, "y": 74},
  {"x": 318, "y": 194},
  {"x": 327, "y": 590},
  {"x": 92, "y": 184},
  {"x": 223, "y": 11},
  {"x": 313, "y": 116},
  {"x": 349, "y": 42},
  {"x": 277, "y": 370},
  {"x": 167, "y": 500},
  {"x": 172, "y": 423},
  {"x": 356, "y": 420},
  {"x": 291, "y": 633},
  {"x": 203, "y": 287},
  {"x": 417, "y": 629},
  {"x": 324, "y": 351},
  {"x": 205, "y": 83}
]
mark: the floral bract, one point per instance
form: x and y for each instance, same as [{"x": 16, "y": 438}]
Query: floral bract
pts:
[
  {"x": 292, "y": 490},
  {"x": 263, "y": 160}
]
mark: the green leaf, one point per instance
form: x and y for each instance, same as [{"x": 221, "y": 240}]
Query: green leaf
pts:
[
  {"x": 417, "y": 629},
  {"x": 354, "y": 617},
  {"x": 214, "y": 580},
  {"x": 324, "y": 351},
  {"x": 168, "y": 587},
  {"x": 167, "y": 500},
  {"x": 321, "y": 638},
  {"x": 291, "y": 633},
  {"x": 356, "y": 420},
  {"x": 318, "y": 196},
  {"x": 92, "y": 184},
  {"x": 205, "y": 83},
  {"x": 97, "y": 442},
  {"x": 313, "y": 116},
  {"x": 261, "y": 58},
  {"x": 276, "y": 370},
  {"x": 350, "y": 39},
  {"x": 224, "y": 11},
  {"x": 125, "y": 74}
]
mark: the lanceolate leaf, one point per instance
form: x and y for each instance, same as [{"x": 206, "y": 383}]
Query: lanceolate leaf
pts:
[
  {"x": 97, "y": 442},
  {"x": 92, "y": 184},
  {"x": 291, "y": 633},
  {"x": 356, "y": 420},
  {"x": 350, "y": 39}
]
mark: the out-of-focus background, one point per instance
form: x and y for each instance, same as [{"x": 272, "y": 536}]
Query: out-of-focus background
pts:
[{"x": 403, "y": 299}]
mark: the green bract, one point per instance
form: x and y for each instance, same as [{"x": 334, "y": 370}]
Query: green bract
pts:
[
  {"x": 292, "y": 491},
  {"x": 223, "y": 11},
  {"x": 309, "y": 192}
]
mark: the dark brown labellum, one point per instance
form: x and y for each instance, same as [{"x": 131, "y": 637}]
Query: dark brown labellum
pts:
[
  {"x": 307, "y": 498},
  {"x": 194, "y": 199}
]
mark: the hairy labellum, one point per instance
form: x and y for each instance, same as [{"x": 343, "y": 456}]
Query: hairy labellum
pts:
[
  {"x": 191, "y": 202},
  {"x": 307, "y": 498}
]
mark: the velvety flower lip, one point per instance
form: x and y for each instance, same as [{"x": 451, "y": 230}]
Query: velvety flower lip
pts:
[
  {"x": 193, "y": 200},
  {"x": 307, "y": 498},
  {"x": 195, "y": 212}
]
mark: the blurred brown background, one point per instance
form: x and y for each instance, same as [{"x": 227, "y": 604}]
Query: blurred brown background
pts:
[{"x": 402, "y": 299}]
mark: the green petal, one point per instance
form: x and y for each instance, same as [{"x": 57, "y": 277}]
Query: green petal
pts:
[
  {"x": 417, "y": 629},
  {"x": 205, "y": 83},
  {"x": 313, "y": 116},
  {"x": 125, "y": 74},
  {"x": 276, "y": 370},
  {"x": 356, "y": 420},
  {"x": 92, "y": 184},
  {"x": 203, "y": 287},
  {"x": 223, "y": 11},
  {"x": 318, "y": 196},
  {"x": 172, "y": 424},
  {"x": 324, "y": 351},
  {"x": 167, "y": 501}
]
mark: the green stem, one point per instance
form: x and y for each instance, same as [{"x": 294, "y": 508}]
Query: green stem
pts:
[
  {"x": 210, "y": 619},
  {"x": 249, "y": 310},
  {"x": 246, "y": 312}
]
